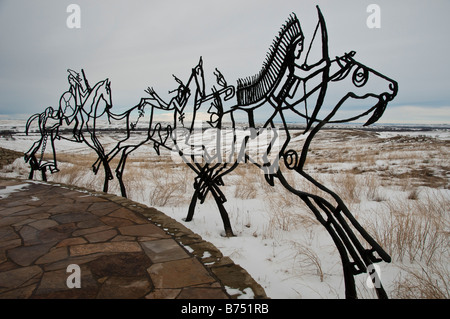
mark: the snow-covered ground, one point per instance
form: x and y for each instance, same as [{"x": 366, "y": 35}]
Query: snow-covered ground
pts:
[{"x": 395, "y": 182}]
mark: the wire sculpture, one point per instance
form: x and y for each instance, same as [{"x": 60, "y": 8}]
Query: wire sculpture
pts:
[
  {"x": 79, "y": 109},
  {"x": 287, "y": 83},
  {"x": 49, "y": 123},
  {"x": 285, "y": 86}
]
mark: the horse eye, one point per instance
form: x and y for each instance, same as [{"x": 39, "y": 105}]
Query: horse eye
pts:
[{"x": 360, "y": 76}]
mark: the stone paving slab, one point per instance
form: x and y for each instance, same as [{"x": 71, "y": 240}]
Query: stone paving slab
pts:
[{"x": 122, "y": 249}]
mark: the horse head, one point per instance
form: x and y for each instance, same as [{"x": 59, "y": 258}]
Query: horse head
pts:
[
  {"x": 105, "y": 94},
  {"x": 362, "y": 83}
]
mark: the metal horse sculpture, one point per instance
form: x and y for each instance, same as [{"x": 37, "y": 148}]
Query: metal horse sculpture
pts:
[
  {"x": 278, "y": 85},
  {"x": 287, "y": 87},
  {"x": 142, "y": 118},
  {"x": 78, "y": 108}
]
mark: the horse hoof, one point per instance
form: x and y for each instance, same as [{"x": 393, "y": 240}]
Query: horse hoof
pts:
[{"x": 227, "y": 234}]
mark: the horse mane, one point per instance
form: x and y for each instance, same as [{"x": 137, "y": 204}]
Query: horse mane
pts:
[{"x": 253, "y": 88}]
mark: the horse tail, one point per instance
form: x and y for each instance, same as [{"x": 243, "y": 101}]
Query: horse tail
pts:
[{"x": 30, "y": 120}]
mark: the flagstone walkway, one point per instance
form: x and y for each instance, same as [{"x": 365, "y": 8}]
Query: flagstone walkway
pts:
[{"x": 54, "y": 237}]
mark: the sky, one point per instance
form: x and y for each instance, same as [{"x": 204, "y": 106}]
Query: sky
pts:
[{"x": 137, "y": 44}]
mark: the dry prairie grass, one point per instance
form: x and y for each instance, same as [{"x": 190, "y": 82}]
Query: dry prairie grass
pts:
[
  {"x": 246, "y": 181},
  {"x": 416, "y": 234},
  {"x": 159, "y": 183},
  {"x": 308, "y": 260},
  {"x": 430, "y": 282},
  {"x": 414, "y": 229}
]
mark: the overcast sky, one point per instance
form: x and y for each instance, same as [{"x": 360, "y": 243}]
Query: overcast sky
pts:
[{"x": 137, "y": 44}]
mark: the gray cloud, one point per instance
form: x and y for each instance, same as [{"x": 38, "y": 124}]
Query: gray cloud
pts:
[{"x": 142, "y": 43}]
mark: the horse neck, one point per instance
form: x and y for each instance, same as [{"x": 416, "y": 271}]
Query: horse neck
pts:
[{"x": 92, "y": 100}]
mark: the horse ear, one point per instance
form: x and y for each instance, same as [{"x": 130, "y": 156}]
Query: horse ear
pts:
[
  {"x": 339, "y": 61},
  {"x": 345, "y": 59}
]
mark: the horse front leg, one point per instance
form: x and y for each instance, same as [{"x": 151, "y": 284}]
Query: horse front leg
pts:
[
  {"x": 340, "y": 209},
  {"x": 367, "y": 255},
  {"x": 350, "y": 240},
  {"x": 54, "y": 167},
  {"x": 344, "y": 238},
  {"x": 108, "y": 174},
  {"x": 198, "y": 193},
  {"x": 348, "y": 268},
  {"x": 96, "y": 165},
  {"x": 102, "y": 160},
  {"x": 33, "y": 150},
  {"x": 97, "y": 146},
  {"x": 212, "y": 186},
  {"x": 325, "y": 217},
  {"x": 44, "y": 175},
  {"x": 33, "y": 165},
  {"x": 107, "y": 170},
  {"x": 119, "y": 172}
]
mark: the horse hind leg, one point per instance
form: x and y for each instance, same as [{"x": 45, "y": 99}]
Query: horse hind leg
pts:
[
  {"x": 202, "y": 187},
  {"x": 199, "y": 191},
  {"x": 119, "y": 173},
  {"x": 223, "y": 212}
]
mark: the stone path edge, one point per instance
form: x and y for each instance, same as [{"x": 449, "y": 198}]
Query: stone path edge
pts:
[{"x": 233, "y": 277}]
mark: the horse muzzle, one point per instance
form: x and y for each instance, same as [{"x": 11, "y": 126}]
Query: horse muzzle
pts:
[{"x": 383, "y": 101}]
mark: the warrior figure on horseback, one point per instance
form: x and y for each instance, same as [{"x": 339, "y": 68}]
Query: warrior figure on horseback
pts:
[
  {"x": 72, "y": 101},
  {"x": 284, "y": 83}
]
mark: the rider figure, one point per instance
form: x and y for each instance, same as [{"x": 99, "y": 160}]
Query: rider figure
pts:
[
  {"x": 183, "y": 92},
  {"x": 281, "y": 74},
  {"x": 297, "y": 73},
  {"x": 178, "y": 102},
  {"x": 79, "y": 94}
]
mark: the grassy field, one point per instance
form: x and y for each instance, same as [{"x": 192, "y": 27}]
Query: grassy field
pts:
[{"x": 396, "y": 185}]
